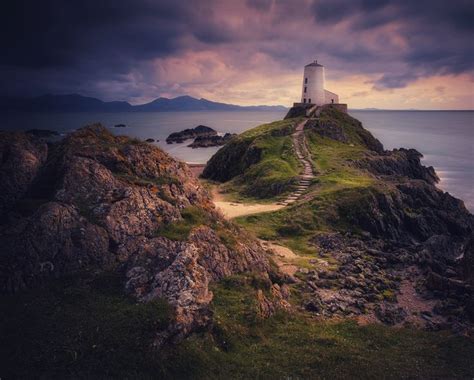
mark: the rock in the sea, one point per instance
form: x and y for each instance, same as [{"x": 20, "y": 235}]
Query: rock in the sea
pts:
[
  {"x": 191, "y": 133},
  {"x": 207, "y": 141},
  {"x": 119, "y": 125},
  {"x": 150, "y": 140}
]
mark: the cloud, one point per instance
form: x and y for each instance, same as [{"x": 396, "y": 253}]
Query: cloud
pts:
[
  {"x": 146, "y": 48},
  {"x": 436, "y": 34}
]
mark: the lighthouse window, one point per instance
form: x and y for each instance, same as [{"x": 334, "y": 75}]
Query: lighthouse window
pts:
[
  {"x": 305, "y": 80},
  {"x": 305, "y": 90}
]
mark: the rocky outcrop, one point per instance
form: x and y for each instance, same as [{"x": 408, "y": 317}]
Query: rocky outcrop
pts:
[
  {"x": 467, "y": 265},
  {"x": 45, "y": 133},
  {"x": 21, "y": 157},
  {"x": 398, "y": 162},
  {"x": 339, "y": 126},
  {"x": 298, "y": 111},
  {"x": 332, "y": 131},
  {"x": 101, "y": 202},
  {"x": 232, "y": 160},
  {"x": 208, "y": 141},
  {"x": 412, "y": 212},
  {"x": 191, "y": 133}
]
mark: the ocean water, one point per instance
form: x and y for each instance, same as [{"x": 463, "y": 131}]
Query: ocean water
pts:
[{"x": 446, "y": 138}]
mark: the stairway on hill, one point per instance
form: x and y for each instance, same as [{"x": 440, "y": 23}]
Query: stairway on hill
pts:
[{"x": 302, "y": 152}]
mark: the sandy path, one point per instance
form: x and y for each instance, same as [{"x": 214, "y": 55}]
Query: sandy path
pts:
[{"x": 233, "y": 210}]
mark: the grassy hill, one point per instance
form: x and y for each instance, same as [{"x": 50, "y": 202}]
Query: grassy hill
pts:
[{"x": 259, "y": 163}]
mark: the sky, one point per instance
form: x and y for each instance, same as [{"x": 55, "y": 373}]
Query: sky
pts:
[{"x": 377, "y": 53}]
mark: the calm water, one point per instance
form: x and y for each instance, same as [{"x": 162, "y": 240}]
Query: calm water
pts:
[{"x": 445, "y": 138}]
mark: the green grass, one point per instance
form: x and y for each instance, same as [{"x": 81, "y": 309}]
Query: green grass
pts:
[
  {"x": 84, "y": 327},
  {"x": 337, "y": 192},
  {"x": 243, "y": 346},
  {"x": 275, "y": 171},
  {"x": 192, "y": 217},
  {"x": 79, "y": 327}
]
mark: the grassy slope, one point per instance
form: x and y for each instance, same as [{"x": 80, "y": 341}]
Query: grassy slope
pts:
[
  {"x": 85, "y": 328},
  {"x": 337, "y": 185},
  {"x": 81, "y": 326},
  {"x": 295, "y": 346},
  {"x": 277, "y": 169}
]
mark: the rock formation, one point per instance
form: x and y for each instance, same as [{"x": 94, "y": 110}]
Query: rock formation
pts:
[
  {"x": 98, "y": 202},
  {"x": 191, "y": 133}
]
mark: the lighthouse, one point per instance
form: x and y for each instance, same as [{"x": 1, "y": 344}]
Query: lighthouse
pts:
[{"x": 313, "y": 91}]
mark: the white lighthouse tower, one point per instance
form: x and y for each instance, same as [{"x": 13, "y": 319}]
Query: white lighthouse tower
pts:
[
  {"x": 313, "y": 84},
  {"x": 313, "y": 91}
]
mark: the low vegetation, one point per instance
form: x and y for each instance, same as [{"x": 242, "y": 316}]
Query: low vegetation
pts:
[
  {"x": 259, "y": 163},
  {"x": 79, "y": 327},
  {"x": 242, "y": 346},
  {"x": 192, "y": 217}
]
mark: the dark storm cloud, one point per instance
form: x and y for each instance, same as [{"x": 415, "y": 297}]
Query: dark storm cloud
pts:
[
  {"x": 261, "y": 5},
  {"x": 439, "y": 33},
  {"x": 57, "y": 39},
  {"x": 69, "y": 46},
  {"x": 55, "y": 32}
]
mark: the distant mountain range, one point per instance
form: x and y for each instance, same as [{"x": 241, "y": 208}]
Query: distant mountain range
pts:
[{"x": 79, "y": 103}]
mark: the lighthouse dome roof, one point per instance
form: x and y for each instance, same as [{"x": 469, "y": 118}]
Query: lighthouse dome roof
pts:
[{"x": 315, "y": 63}]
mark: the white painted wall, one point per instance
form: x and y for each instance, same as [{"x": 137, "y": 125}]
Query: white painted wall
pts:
[
  {"x": 330, "y": 96},
  {"x": 314, "y": 85}
]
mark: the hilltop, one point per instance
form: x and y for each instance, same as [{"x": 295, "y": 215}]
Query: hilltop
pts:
[{"x": 370, "y": 225}]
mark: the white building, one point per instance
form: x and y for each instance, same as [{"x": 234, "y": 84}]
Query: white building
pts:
[{"x": 313, "y": 91}]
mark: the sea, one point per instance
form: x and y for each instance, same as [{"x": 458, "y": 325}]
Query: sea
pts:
[{"x": 445, "y": 138}]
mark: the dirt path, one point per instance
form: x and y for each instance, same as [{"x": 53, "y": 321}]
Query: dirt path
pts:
[{"x": 234, "y": 209}]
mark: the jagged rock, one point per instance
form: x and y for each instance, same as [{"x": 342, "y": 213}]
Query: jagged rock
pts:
[
  {"x": 278, "y": 300},
  {"x": 21, "y": 157},
  {"x": 42, "y": 133},
  {"x": 390, "y": 314},
  {"x": 191, "y": 133},
  {"x": 400, "y": 162},
  {"x": 467, "y": 265},
  {"x": 104, "y": 200},
  {"x": 332, "y": 131},
  {"x": 232, "y": 160}
]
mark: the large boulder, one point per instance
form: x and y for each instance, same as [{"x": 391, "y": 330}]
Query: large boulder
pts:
[{"x": 114, "y": 203}]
